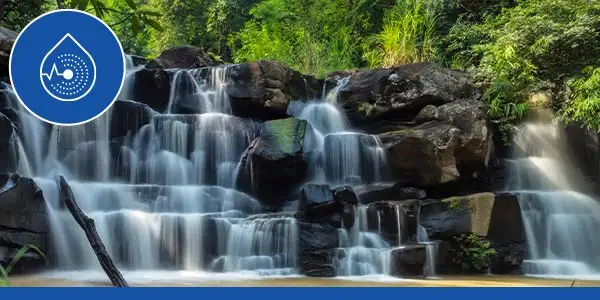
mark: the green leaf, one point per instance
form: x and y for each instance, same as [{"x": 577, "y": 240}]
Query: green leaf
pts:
[
  {"x": 20, "y": 255},
  {"x": 82, "y": 5},
  {"x": 99, "y": 7},
  {"x": 131, "y": 4},
  {"x": 135, "y": 24},
  {"x": 151, "y": 13},
  {"x": 3, "y": 276},
  {"x": 153, "y": 24}
]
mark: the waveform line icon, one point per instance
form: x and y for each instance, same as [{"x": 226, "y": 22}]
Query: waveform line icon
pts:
[
  {"x": 67, "y": 74},
  {"x": 72, "y": 70}
]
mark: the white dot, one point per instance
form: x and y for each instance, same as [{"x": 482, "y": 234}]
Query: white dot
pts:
[{"x": 68, "y": 74}]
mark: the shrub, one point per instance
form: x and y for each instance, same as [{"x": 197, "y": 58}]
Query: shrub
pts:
[{"x": 471, "y": 253}]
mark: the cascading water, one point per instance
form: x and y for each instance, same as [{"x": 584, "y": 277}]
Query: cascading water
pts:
[
  {"x": 164, "y": 199},
  {"x": 344, "y": 157},
  {"x": 561, "y": 224}
]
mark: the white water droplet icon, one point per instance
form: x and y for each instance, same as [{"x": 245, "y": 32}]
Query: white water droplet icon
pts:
[{"x": 68, "y": 71}]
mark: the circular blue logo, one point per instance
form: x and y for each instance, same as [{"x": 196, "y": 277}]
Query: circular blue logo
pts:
[{"x": 67, "y": 67}]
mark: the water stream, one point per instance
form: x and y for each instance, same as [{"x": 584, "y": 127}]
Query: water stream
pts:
[{"x": 561, "y": 222}]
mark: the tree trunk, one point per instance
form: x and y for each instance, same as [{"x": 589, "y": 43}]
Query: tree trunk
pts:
[{"x": 89, "y": 227}]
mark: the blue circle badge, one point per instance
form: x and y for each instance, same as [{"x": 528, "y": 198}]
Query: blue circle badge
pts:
[{"x": 67, "y": 67}]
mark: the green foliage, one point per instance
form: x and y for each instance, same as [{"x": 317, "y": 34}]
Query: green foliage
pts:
[
  {"x": 408, "y": 36},
  {"x": 584, "y": 103},
  {"x": 5, "y": 271},
  {"x": 534, "y": 46},
  {"x": 17, "y": 13},
  {"x": 313, "y": 36},
  {"x": 472, "y": 253}
]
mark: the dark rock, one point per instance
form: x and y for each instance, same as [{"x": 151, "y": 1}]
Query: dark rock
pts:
[
  {"x": 470, "y": 116},
  {"x": 7, "y": 39},
  {"x": 152, "y": 87},
  {"x": 188, "y": 57},
  {"x": 9, "y": 146},
  {"x": 349, "y": 199},
  {"x": 423, "y": 155},
  {"x": 317, "y": 201},
  {"x": 138, "y": 60},
  {"x": 345, "y": 194},
  {"x": 23, "y": 221},
  {"x": 408, "y": 260},
  {"x": 387, "y": 191},
  {"x": 403, "y": 91},
  {"x": 318, "y": 243},
  {"x": 127, "y": 117},
  {"x": 273, "y": 165},
  {"x": 509, "y": 258},
  {"x": 395, "y": 221},
  {"x": 263, "y": 90},
  {"x": 320, "y": 204},
  {"x": 496, "y": 217}
]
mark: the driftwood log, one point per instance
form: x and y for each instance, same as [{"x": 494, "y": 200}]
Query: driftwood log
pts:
[{"x": 89, "y": 227}]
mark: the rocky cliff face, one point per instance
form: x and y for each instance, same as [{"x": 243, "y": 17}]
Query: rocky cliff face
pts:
[{"x": 429, "y": 121}]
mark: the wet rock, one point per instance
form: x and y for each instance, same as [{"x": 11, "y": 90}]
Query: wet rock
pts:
[
  {"x": 263, "y": 89},
  {"x": 495, "y": 217},
  {"x": 188, "y": 57},
  {"x": 23, "y": 221},
  {"x": 152, "y": 87},
  {"x": 273, "y": 164},
  {"x": 395, "y": 221},
  {"x": 509, "y": 257},
  {"x": 347, "y": 196},
  {"x": 402, "y": 92},
  {"x": 320, "y": 204},
  {"x": 127, "y": 117},
  {"x": 387, "y": 191},
  {"x": 423, "y": 155},
  {"x": 7, "y": 39},
  {"x": 476, "y": 142},
  {"x": 408, "y": 260},
  {"x": 9, "y": 146},
  {"x": 318, "y": 243}
]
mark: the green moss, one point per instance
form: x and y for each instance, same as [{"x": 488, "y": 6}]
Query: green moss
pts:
[
  {"x": 453, "y": 202},
  {"x": 286, "y": 135}
]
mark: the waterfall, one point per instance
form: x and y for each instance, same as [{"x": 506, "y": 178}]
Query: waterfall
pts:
[
  {"x": 163, "y": 198},
  {"x": 199, "y": 91},
  {"x": 561, "y": 222}
]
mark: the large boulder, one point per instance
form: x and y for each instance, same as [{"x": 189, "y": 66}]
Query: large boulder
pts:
[
  {"x": 318, "y": 245},
  {"x": 394, "y": 191},
  {"x": 470, "y": 116},
  {"x": 273, "y": 165},
  {"x": 496, "y": 217},
  {"x": 401, "y": 92},
  {"x": 263, "y": 89},
  {"x": 152, "y": 87},
  {"x": 9, "y": 146},
  {"x": 320, "y": 204},
  {"x": 23, "y": 221},
  {"x": 424, "y": 155},
  {"x": 182, "y": 57},
  {"x": 408, "y": 260},
  {"x": 127, "y": 117}
]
